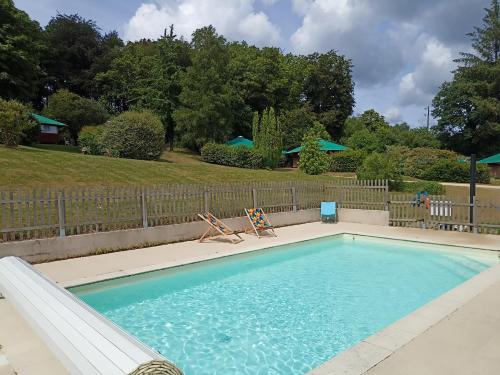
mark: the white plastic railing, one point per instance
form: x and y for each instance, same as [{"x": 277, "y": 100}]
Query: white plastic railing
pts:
[{"x": 84, "y": 341}]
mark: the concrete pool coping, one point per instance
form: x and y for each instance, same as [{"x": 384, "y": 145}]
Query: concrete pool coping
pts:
[{"x": 357, "y": 360}]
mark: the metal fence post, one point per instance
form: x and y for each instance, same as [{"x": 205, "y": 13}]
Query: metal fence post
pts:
[
  {"x": 294, "y": 199},
  {"x": 474, "y": 214},
  {"x": 144, "y": 207},
  {"x": 254, "y": 196},
  {"x": 61, "y": 210}
]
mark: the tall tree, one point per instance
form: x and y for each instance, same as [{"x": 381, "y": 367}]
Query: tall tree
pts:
[
  {"x": 21, "y": 46},
  {"x": 268, "y": 137},
  {"x": 208, "y": 100},
  {"x": 468, "y": 107},
  {"x": 329, "y": 90},
  {"x": 73, "y": 44}
]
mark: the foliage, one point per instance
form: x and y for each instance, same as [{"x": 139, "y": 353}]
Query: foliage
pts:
[
  {"x": 379, "y": 166},
  {"x": 20, "y": 49},
  {"x": 90, "y": 140},
  {"x": 209, "y": 104},
  {"x": 295, "y": 123},
  {"x": 468, "y": 107},
  {"x": 134, "y": 135},
  {"x": 455, "y": 171},
  {"x": 313, "y": 161},
  {"x": 347, "y": 161},
  {"x": 431, "y": 187},
  {"x": 15, "y": 122},
  {"x": 329, "y": 90},
  {"x": 241, "y": 157},
  {"x": 268, "y": 138},
  {"x": 414, "y": 162},
  {"x": 75, "y": 111}
]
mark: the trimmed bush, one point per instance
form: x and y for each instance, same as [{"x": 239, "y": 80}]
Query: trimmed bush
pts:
[
  {"x": 379, "y": 166},
  {"x": 240, "y": 157},
  {"x": 134, "y": 135},
  {"x": 455, "y": 171},
  {"x": 347, "y": 161},
  {"x": 90, "y": 140},
  {"x": 431, "y": 187},
  {"x": 16, "y": 123}
]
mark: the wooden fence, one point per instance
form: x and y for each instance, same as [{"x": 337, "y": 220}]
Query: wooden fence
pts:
[{"x": 42, "y": 213}]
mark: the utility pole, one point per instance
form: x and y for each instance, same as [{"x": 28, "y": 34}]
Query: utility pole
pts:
[{"x": 428, "y": 117}]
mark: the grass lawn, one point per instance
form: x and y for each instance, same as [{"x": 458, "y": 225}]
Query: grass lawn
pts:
[{"x": 62, "y": 166}]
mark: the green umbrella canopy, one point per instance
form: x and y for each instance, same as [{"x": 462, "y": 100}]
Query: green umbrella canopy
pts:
[
  {"x": 46, "y": 121},
  {"x": 240, "y": 141},
  {"x": 495, "y": 159},
  {"x": 323, "y": 145}
]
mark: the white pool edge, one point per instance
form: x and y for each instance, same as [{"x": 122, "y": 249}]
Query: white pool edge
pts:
[{"x": 374, "y": 349}]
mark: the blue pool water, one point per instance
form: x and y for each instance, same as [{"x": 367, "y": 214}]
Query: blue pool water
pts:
[{"x": 279, "y": 311}]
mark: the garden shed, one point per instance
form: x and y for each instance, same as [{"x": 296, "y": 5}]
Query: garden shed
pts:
[
  {"x": 49, "y": 129},
  {"x": 326, "y": 146},
  {"x": 494, "y": 163}
]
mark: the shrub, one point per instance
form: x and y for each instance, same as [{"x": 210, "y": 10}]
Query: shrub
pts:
[
  {"x": 415, "y": 161},
  {"x": 15, "y": 123},
  {"x": 431, "y": 187},
  {"x": 90, "y": 140},
  {"x": 312, "y": 160},
  {"x": 347, "y": 161},
  {"x": 455, "y": 171},
  {"x": 241, "y": 157},
  {"x": 379, "y": 166},
  {"x": 134, "y": 135}
]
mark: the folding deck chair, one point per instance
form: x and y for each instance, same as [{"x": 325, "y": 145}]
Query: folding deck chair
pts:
[
  {"x": 329, "y": 211},
  {"x": 259, "y": 221},
  {"x": 219, "y": 227}
]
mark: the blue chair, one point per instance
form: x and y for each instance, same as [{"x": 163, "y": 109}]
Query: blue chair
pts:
[{"x": 329, "y": 211}]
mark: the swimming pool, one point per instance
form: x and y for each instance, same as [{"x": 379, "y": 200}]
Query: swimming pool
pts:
[{"x": 283, "y": 310}]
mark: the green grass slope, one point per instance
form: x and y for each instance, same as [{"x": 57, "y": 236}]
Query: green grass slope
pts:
[{"x": 60, "y": 166}]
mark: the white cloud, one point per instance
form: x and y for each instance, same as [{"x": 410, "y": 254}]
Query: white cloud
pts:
[
  {"x": 235, "y": 19},
  {"x": 393, "y": 115}
]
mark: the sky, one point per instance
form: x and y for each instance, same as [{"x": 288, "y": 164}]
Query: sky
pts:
[{"x": 402, "y": 50}]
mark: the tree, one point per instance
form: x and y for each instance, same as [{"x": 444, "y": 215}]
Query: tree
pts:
[
  {"x": 73, "y": 44},
  {"x": 380, "y": 166},
  {"x": 468, "y": 107},
  {"x": 20, "y": 48},
  {"x": 207, "y": 99},
  {"x": 268, "y": 138},
  {"x": 295, "y": 123},
  {"x": 312, "y": 160},
  {"x": 329, "y": 90},
  {"x": 16, "y": 122},
  {"x": 75, "y": 111}
]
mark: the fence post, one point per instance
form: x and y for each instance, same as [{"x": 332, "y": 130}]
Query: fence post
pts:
[
  {"x": 144, "y": 207},
  {"x": 205, "y": 200},
  {"x": 386, "y": 195},
  {"x": 254, "y": 196},
  {"x": 294, "y": 199},
  {"x": 61, "y": 210}
]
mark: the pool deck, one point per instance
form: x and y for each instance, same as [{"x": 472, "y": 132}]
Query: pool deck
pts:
[{"x": 458, "y": 333}]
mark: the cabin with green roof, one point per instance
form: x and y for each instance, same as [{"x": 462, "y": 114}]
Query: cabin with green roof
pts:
[
  {"x": 494, "y": 163},
  {"x": 49, "y": 129},
  {"x": 326, "y": 146}
]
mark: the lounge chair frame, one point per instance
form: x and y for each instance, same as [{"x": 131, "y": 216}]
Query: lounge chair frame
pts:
[
  {"x": 256, "y": 230},
  {"x": 207, "y": 217}
]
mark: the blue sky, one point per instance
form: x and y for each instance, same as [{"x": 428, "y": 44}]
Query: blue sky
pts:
[{"x": 402, "y": 50}]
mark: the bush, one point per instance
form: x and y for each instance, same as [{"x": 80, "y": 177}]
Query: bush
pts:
[
  {"x": 379, "y": 166},
  {"x": 313, "y": 161},
  {"x": 347, "y": 161},
  {"x": 431, "y": 187},
  {"x": 415, "y": 161},
  {"x": 16, "y": 123},
  {"x": 90, "y": 140},
  {"x": 134, "y": 135},
  {"x": 241, "y": 157},
  {"x": 455, "y": 171}
]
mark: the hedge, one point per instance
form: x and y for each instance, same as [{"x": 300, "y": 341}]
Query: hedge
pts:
[
  {"x": 241, "y": 157},
  {"x": 90, "y": 140},
  {"x": 347, "y": 161},
  {"x": 455, "y": 171},
  {"x": 431, "y": 187}
]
